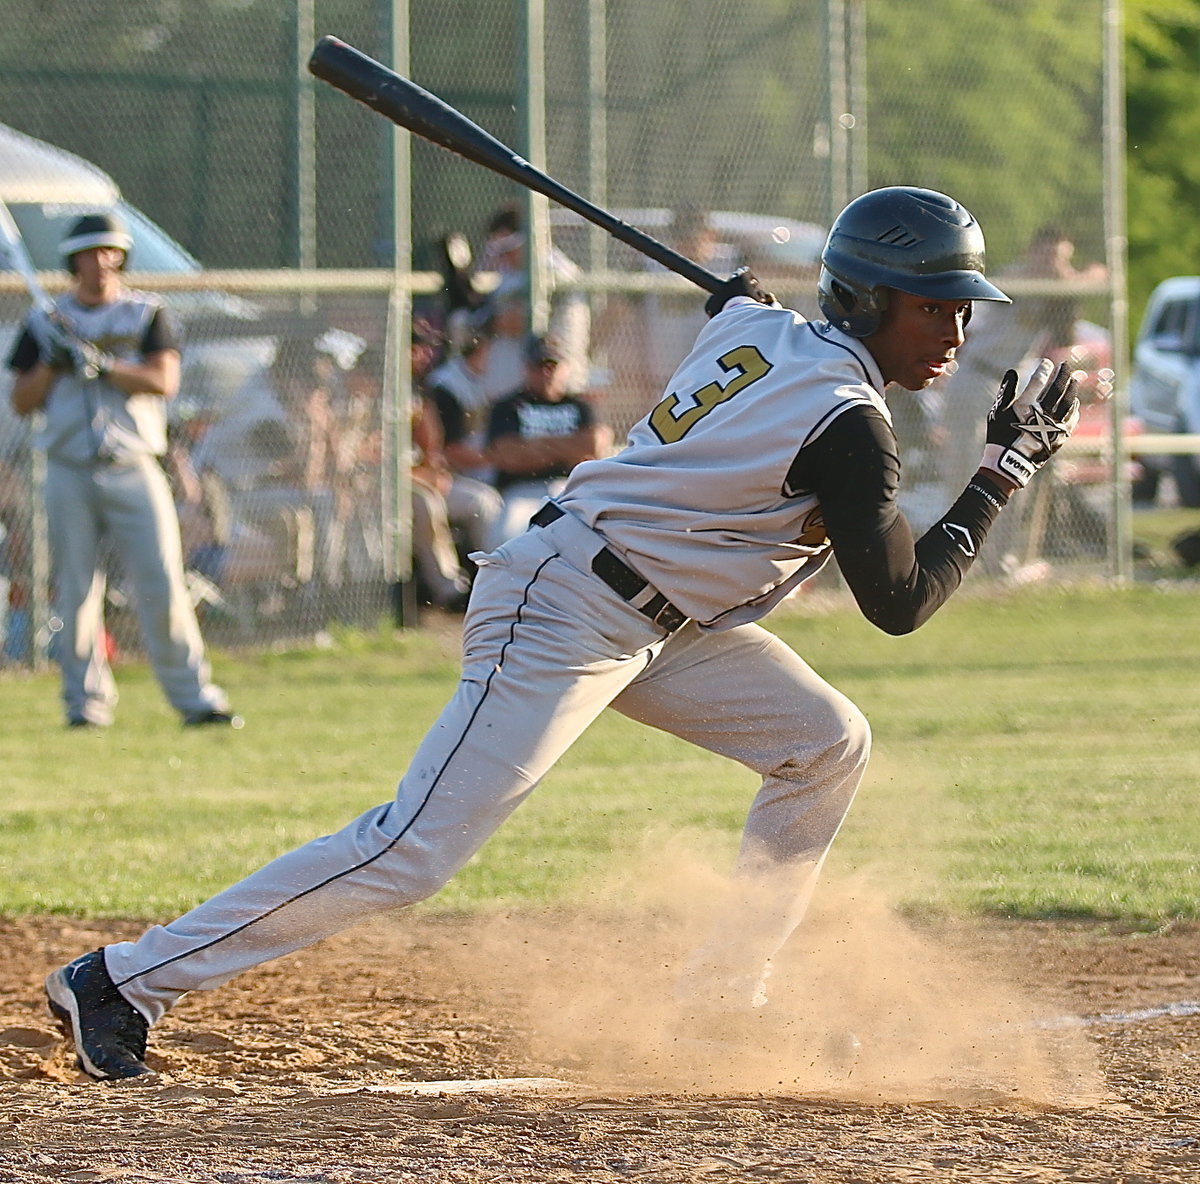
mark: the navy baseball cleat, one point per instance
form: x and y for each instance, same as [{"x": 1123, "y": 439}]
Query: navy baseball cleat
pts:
[{"x": 109, "y": 1033}]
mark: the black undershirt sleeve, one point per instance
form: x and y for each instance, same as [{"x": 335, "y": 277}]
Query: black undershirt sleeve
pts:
[
  {"x": 160, "y": 333},
  {"x": 899, "y": 582},
  {"x": 25, "y": 353}
]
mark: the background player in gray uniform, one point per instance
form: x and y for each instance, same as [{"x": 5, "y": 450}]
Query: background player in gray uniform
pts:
[
  {"x": 639, "y": 588},
  {"x": 101, "y": 369}
]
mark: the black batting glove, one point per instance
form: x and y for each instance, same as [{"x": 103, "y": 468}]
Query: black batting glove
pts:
[
  {"x": 57, "y": 345},
  {"x": 56, "y": 351},
  {"x": 743, "y": 282},
  {"x": 1024, "y": 431}
]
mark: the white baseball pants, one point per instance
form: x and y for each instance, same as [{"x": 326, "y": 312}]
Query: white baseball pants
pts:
[
  {"x": 546, "y": 647},
  {"x": 131, "y": 505}
]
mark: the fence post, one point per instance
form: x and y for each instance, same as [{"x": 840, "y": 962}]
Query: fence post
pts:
[
  {"x": 305, "y": 248},
  {"x": 398, "y": 391},
  {"x": 1121, "y": 557},
  {"x": 537, "y": 216}
]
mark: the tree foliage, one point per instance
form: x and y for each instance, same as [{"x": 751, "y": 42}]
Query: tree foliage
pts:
[
  {"x": 999, "y": 103},
  {"x": 1162, "y": 39}
]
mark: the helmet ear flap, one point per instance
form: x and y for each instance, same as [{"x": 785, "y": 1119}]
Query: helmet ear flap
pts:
[
  {"x": 845, "y": 299},
  {"x": 853, "y": 308}
]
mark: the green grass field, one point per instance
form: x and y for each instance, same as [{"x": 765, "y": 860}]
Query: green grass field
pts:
[{"x": 1035, "y": 755}]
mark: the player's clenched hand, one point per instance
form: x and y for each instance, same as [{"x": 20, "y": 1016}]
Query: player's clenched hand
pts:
[
  {"x": 64, "y": 350},
  {"x": 90, "y": 360},
  {"x": 1025, "y": 430},
  {"x": 56, "y": 351},
  {"x": 742, "y": 283}
]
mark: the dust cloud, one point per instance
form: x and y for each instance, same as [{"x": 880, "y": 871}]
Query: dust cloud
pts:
[{"x": 865, "y": 1004}]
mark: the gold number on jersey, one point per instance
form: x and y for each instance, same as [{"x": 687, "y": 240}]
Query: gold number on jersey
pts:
[{"x": 670, "y": 424}]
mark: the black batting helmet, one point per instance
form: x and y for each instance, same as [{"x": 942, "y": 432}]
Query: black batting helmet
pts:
[
  {"x": 914, "y": 240},
  {"x": 96, "y": 230}
]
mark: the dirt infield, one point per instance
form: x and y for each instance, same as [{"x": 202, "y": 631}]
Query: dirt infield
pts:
[{"x": 991, "y": 1052}]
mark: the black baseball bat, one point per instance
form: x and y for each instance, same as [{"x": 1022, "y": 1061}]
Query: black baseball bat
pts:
[{"x": 410, "y": 106}]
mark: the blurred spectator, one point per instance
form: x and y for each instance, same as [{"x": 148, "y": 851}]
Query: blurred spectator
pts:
[
  {"x": 249, "y": 446},
  {"x": 310, "y": 407},
  {"x": 232, "y": 566},
  {"x": 356, "y": 540},
  {"x": 426, "y": 346},
  {"x": 456, "y": 391},
  {"x": 537, "y": 436},
  {"x": 16, "y": 531},
  {"x": 570, "y": 316},
  {"x": 441, "y": 579},
  {"x": 1054, "y": 317},
  {"x": 506, "y": 328},
  {"x": 276, "y": 452},
  {"x": 200, "y": 501}
]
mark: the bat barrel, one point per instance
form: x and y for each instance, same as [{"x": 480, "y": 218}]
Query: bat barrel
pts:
[{"x": 409, "y": 106}]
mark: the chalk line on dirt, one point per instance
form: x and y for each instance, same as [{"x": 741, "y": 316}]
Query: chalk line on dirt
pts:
[
  {"x": 483, "y": 1085},
  {"x": 1138, "y": 1015}
]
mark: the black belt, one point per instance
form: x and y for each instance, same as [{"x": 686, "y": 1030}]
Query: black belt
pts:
[{"x": 621, "y": 578}]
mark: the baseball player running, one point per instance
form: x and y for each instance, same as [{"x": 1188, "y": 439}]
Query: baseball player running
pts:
[
  {"x": 639, "y": 587},
  {"x": 100, "y": 368}
]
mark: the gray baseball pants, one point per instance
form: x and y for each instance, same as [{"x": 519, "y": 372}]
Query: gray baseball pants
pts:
[
  {"x": 546, "y": 647},
  {"x": 131, "y": 505}
]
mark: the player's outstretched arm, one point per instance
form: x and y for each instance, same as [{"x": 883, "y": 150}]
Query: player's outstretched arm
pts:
[{"x": 899, "y": 582}]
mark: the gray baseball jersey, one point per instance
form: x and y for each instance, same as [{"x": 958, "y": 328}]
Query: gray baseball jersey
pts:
[
  {"x": 699, "y": 502},
  {"x": 86, "y": 418}
]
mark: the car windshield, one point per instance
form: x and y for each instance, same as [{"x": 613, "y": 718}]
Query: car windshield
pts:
[{"x": 43, "y": 225}]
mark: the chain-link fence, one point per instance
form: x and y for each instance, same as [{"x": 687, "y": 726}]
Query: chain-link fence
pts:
[
  {"x": 281, "y": 456},
  {"x": 732, "y": 132}
]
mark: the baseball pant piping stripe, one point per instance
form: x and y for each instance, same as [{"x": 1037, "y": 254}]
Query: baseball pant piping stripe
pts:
[{"x": 392, "y": 843}]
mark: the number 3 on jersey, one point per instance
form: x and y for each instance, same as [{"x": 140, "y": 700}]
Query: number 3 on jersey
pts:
[{"x": 671, "y": 424}]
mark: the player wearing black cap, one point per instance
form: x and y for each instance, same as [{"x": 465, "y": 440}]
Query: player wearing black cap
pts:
[
  {"x": 537, "y": 435},
  {"x": 100, "y": 368}
]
